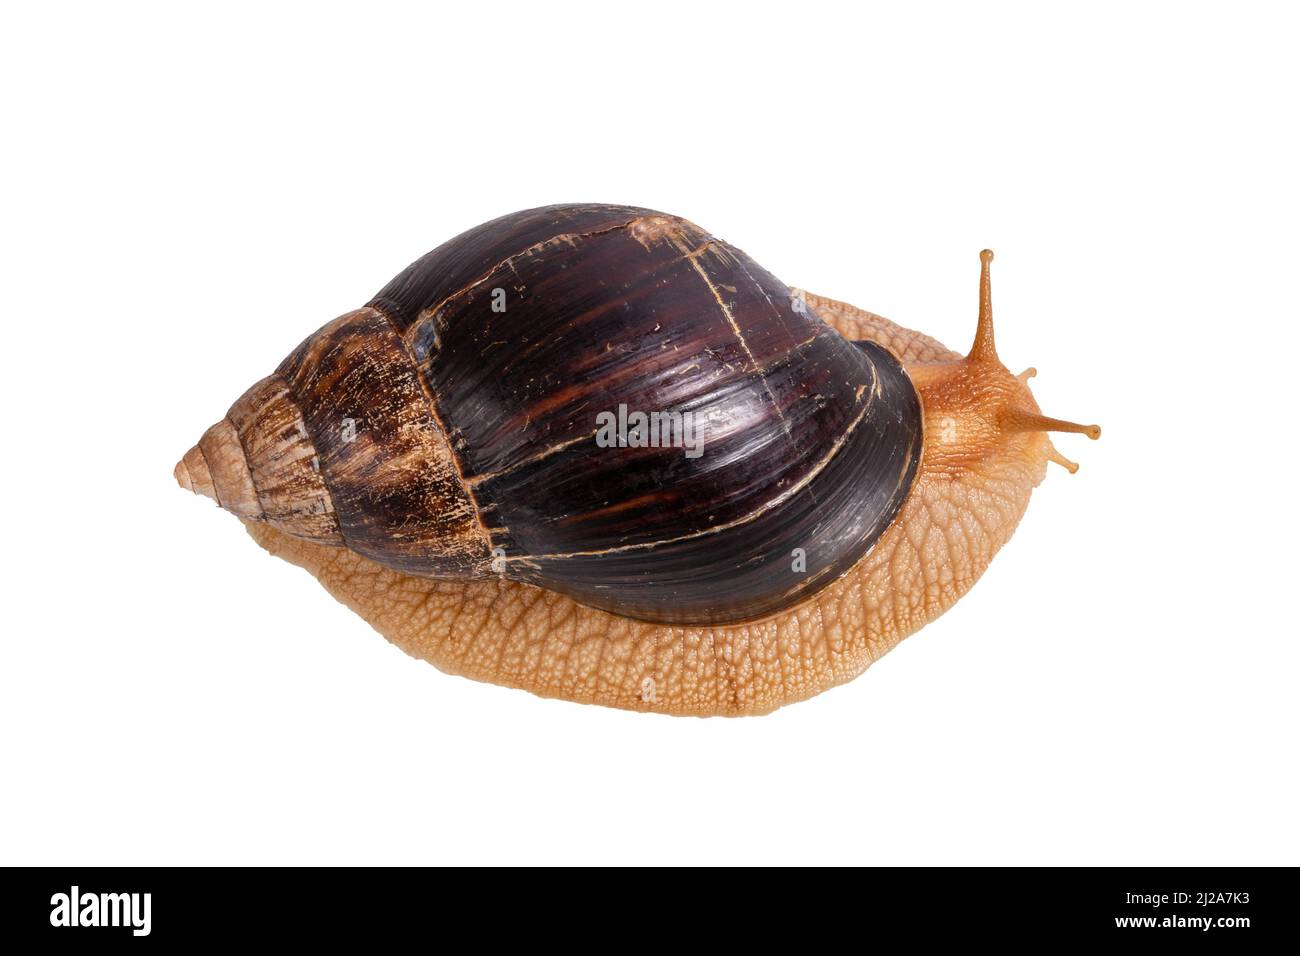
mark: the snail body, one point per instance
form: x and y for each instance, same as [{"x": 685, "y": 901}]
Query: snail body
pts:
[{"x": 595, "y": 452}]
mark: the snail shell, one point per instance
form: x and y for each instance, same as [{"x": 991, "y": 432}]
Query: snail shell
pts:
[{"x": 451, "y": 428}]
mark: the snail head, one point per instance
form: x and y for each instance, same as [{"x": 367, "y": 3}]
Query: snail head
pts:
[{"x": 975, "y": 407}]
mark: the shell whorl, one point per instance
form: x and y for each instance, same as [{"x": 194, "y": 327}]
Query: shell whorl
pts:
[{"x": 340, "y": 445}]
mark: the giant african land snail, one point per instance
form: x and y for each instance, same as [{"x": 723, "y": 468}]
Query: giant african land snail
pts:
[{"x": 435, "y": 458}]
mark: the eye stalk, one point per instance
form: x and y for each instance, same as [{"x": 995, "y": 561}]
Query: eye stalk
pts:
[{"x": 983, "y": 349}]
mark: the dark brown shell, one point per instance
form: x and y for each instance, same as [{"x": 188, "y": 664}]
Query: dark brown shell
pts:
[{"x": 475, "y": 429}]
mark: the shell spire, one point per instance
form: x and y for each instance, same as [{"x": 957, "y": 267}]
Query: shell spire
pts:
[
  {"x": 216, "y": 468},
  {"x": 260, "y": 464}
]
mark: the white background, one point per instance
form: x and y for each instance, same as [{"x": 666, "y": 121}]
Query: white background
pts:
[{"x": 187, "y": 193}]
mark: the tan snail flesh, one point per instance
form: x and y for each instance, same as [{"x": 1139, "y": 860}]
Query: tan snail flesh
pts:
[{"x": 985, "y": 448}]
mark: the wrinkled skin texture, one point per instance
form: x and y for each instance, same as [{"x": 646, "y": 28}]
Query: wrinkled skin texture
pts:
[{"x": 962, "y": 509}]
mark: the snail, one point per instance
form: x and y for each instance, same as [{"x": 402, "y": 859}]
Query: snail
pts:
[{"x": 596, "y": 453}]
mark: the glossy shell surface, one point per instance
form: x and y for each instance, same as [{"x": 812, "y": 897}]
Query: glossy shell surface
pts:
[{"x": 524, "y": 330}]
